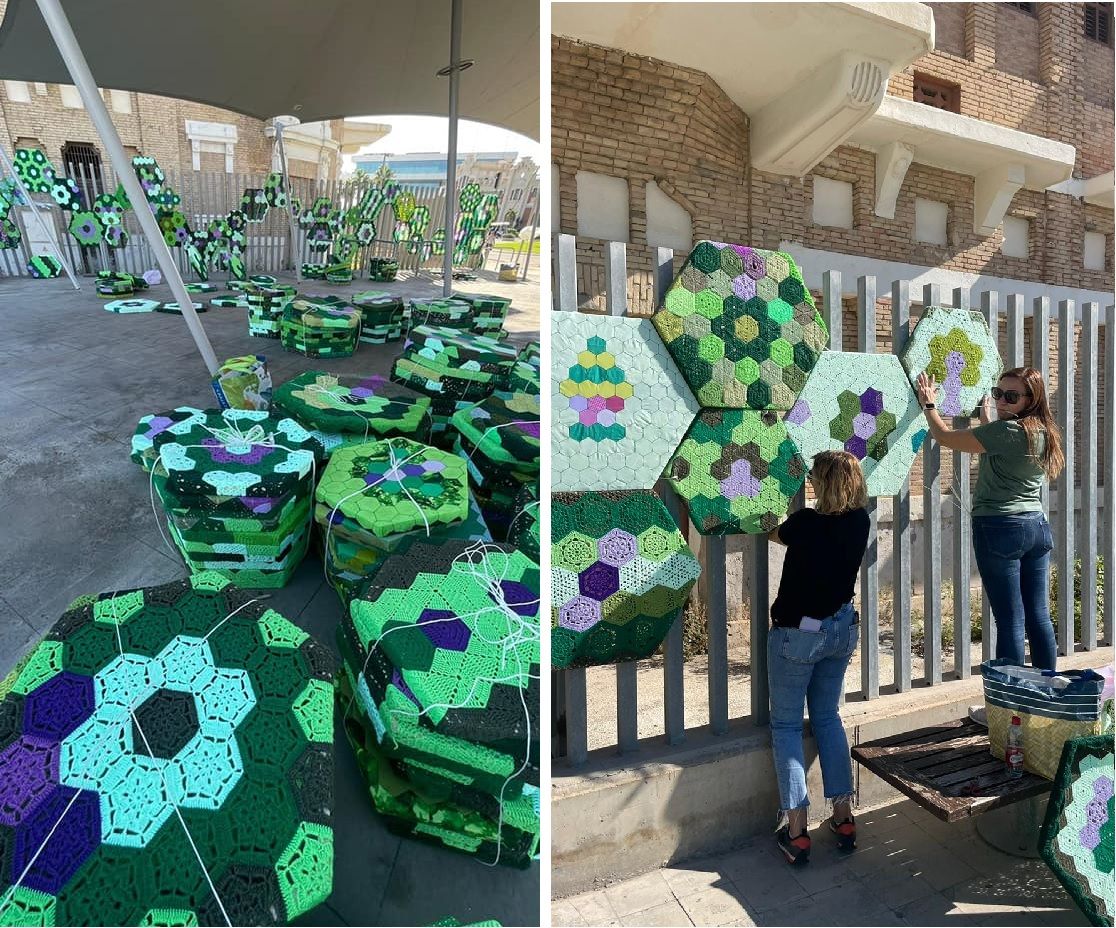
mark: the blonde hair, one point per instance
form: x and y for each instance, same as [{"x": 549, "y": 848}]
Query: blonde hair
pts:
[{"x": 838, "y": 482}]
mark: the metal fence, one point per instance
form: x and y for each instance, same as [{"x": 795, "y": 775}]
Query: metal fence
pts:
[
  {"x": 1080, "y": 370},
  {"x": 207, "y": 195}
]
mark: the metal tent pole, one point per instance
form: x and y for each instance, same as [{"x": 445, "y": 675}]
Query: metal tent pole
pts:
[
  {"x": 454, "y": 71},
  {"x": 76, "y": 64},
  {"x": 534, "y": 224},
  {"x": 47, "y": 230},
  {"x": 290, "y": 205}
]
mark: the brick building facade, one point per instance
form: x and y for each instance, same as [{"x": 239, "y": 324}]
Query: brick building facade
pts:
[
  {"x": 183, "y": 136},
  {"x": 641, "y": 120}
]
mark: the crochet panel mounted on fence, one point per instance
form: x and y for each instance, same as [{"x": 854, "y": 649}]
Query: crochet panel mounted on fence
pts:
[
  {"x": 619, "y": 403},
  {"x": 742, "y": 326},
  {"x": 955, "y": 346},
  {"x": 1077, "y": 835},
  {"x": 156, "y": 728},
  {"x": 737, "y": 471},
  {"x": 621, "y": 573},
  {"x": 863, "y": 404}
]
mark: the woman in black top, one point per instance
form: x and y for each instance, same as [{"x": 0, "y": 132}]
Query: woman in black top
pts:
[{"x": 814, "y": 633}]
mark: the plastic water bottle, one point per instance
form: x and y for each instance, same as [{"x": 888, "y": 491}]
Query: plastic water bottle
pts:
[{"x": 1014, "y": 751}]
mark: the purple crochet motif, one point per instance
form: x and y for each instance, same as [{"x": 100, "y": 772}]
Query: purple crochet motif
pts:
[
  {"x": 60, "y": 705},
  {"x": 400, "y": 684},
  {"x": 740, "y": 482},
  {"x": 73, "y": 837},
  {"x": 28, "y": 772},
  {"x": 444, "y": 629},
  {"x": 521, "y": 599},
  {"x": 221, "y": 454},
  {"x": 599, "y": 581}
]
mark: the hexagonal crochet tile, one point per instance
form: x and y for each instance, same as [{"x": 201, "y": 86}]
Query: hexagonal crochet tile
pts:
[
  {"x": 150, "y": 727},
  {"x": 864, "y": 404},
  {"x": 620, "y": 574},
  {"x": 742, "y": 326},
  {"x": 395, "y": 485},
  {"x": 737, "y": 470},
  {"x": 956, "y": 347},
  {"x": 618, "y": 400}
]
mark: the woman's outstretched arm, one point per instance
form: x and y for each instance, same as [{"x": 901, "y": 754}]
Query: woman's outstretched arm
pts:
[{"x": 957, "y": 439}]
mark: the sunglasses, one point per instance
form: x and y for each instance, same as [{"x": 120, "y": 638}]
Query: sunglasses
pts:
[{"x": 1012, "y": 396}]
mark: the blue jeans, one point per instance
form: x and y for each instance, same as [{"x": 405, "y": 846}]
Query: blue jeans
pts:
[
  {"x": 809, "y": 667},
  {"x": 1013, "y": 557}
]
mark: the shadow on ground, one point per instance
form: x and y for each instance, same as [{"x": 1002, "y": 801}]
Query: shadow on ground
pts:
[{"x": 77, "y": 518}]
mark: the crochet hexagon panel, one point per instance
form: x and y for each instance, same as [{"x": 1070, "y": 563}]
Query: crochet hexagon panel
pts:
[
  {"x": 620, "y": 574},
  {"x": 863, "y": 404},
  {"x": 742, "y": 326},
  {"x": 154, "y": 727},
  {"x": 955, "y": 346},
  {"x": 737, "y": 470},
  {"x": 619, "y": 403}
]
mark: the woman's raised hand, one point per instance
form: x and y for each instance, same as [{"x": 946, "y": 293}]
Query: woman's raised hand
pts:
[{"x": 926, "y": 387}]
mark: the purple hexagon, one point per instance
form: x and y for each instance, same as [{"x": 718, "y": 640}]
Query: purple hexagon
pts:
[
  {"x": 579, "y": 614},
  {"x": 740, "y": 481},
  {"x": 67, "y": 828},
  {"x": 28, "y": 772},
  {"x": 617, "y": 548},
  {"x": 864, "y": 425},
  {"x": 56, "y": 708},
  {"x": 871, "y": 402},
  {"x": 744, "y": 287},
  {"x": 857, "y": 446},
  {"x": 579, "y": 403},
  {"x": 599, "y": 581},
  {"x": 400, "y": 684},
  {"x": 799, "y": 413},
  {"x": 444, "y": 629},
  {"x": 521, "y": 598}
]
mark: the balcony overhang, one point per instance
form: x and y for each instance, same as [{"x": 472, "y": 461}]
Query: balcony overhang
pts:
[
  {"x": 807, "y": 74},
  {"x": 1001, "y": 160},
  {"x": 1100, "y": 190},
  {"x": 358, "y": 135}
]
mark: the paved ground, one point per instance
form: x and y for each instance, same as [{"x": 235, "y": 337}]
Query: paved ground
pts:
[
  {"x": 76, "y": 518},
  {"x": 910, "y": 869}
]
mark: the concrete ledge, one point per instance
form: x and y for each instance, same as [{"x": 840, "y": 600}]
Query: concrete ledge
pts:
[{"x": 613, "y": 822}]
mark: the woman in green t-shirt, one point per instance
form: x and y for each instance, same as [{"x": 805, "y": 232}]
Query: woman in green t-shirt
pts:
[{"x": 1018, "y": 450}]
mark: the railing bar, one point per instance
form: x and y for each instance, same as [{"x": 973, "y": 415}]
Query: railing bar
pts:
[
  {"x": 990, "y": 304},
  {"x": 1040, "y": 350},
  {"x": 1109, "y": 552},
  {"x": 962, "y": 538},
  {"x": 901, "y": 516},
  {"x": 718, "y": 635},
  {"x": 627, "y": 695},
  {"x": 565, "y": 273},
  {"x": 760, "y": 611},
  {"x": 932, "y": 537},
  {"x": 869, "y": 570},
  {"x": 831, "y": 307},
  {"x": 674, "y": 688},
  {"x": 571, "y": 680},
  {"x": 1090, "y": 316},
  {"x": 1067, "y": 315}
]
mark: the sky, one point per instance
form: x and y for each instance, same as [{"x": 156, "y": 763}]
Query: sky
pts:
[{"x": 428, "y": 133}]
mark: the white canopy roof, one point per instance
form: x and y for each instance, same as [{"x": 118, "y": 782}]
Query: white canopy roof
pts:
[{"x": 317, "y": 60}]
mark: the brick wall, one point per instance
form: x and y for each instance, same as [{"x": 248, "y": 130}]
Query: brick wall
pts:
[
  {"x": 156, "y": 127},
  {"x": 638, "y": 118}
]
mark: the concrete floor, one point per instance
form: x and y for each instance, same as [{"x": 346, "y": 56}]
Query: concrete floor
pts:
[
  {"x": 76, "y": 518},
  {"x": 909, "y": 869}
]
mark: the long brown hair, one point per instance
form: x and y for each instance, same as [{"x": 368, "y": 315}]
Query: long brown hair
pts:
[
  {"x": 1035, "y": 417},
  {"x": 838, "y": 482}
]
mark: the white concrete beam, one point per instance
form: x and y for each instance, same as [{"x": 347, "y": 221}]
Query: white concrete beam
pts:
[
  {"x": 1100, "y": 190},
  {"x": 992, "y": 195},
  {"x": 793, "y": 132},
  {"x": 892, "y": 162}
]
